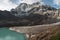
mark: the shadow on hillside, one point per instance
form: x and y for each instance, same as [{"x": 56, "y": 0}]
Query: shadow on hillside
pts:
[{"x": 31, "y": 20}]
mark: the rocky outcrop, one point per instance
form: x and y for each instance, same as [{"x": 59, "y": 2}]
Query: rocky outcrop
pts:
[{"x": 26, "y": 9}]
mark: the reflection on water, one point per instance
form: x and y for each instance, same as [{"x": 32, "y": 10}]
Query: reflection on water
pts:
[
  {"x": 7, "y": 38},
  {"x": 6, "y": 34}
]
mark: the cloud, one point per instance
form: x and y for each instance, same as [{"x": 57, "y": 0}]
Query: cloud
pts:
[
  {"x": 57, "y": 2},
  {"x": 9, "y": 4},
  {"x": 6, "y": 5},
  {"x": 29, "y": 1}
]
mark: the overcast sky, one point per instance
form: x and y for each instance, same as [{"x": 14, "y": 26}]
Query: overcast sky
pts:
[{"x": 9, "y": 4}]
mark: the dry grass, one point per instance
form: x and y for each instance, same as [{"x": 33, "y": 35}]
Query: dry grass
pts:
[
  {"x": 47, "y": 33},
  {"x": 39, "y": 32}
]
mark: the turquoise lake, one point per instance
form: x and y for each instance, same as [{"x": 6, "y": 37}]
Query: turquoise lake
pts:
[{"x": 6, "y": 34}]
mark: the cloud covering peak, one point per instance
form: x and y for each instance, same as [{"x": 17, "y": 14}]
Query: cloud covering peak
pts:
[
  {"x": 29, "y": 1},
  {"x": 9, "y": 4},
  {"x": 57, "y": 2}
]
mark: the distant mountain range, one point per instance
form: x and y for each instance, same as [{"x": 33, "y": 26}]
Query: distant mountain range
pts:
[
  {"x": 25, "y": 9},
  {"x": 26, "y": 14}
]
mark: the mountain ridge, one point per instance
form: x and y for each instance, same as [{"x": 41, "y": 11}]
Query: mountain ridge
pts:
[{"x": 26, "y": 14}]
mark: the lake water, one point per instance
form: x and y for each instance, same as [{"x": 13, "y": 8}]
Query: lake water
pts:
[{"x": 6, "y": 34}]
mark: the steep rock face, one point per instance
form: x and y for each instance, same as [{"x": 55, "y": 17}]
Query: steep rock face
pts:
[
  {"x": 26, "y": 9},
  {"x": 22, "y": 9}
]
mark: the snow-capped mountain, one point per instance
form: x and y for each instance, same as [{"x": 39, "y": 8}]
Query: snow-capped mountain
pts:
[
  {"x": 25, "y": 9},
  {"x": 29, "y": 14},
  {"x": 22, "y": 9}
]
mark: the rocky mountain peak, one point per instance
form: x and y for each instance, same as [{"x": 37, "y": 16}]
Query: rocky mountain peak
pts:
[{"x": 25, "y": 9}]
